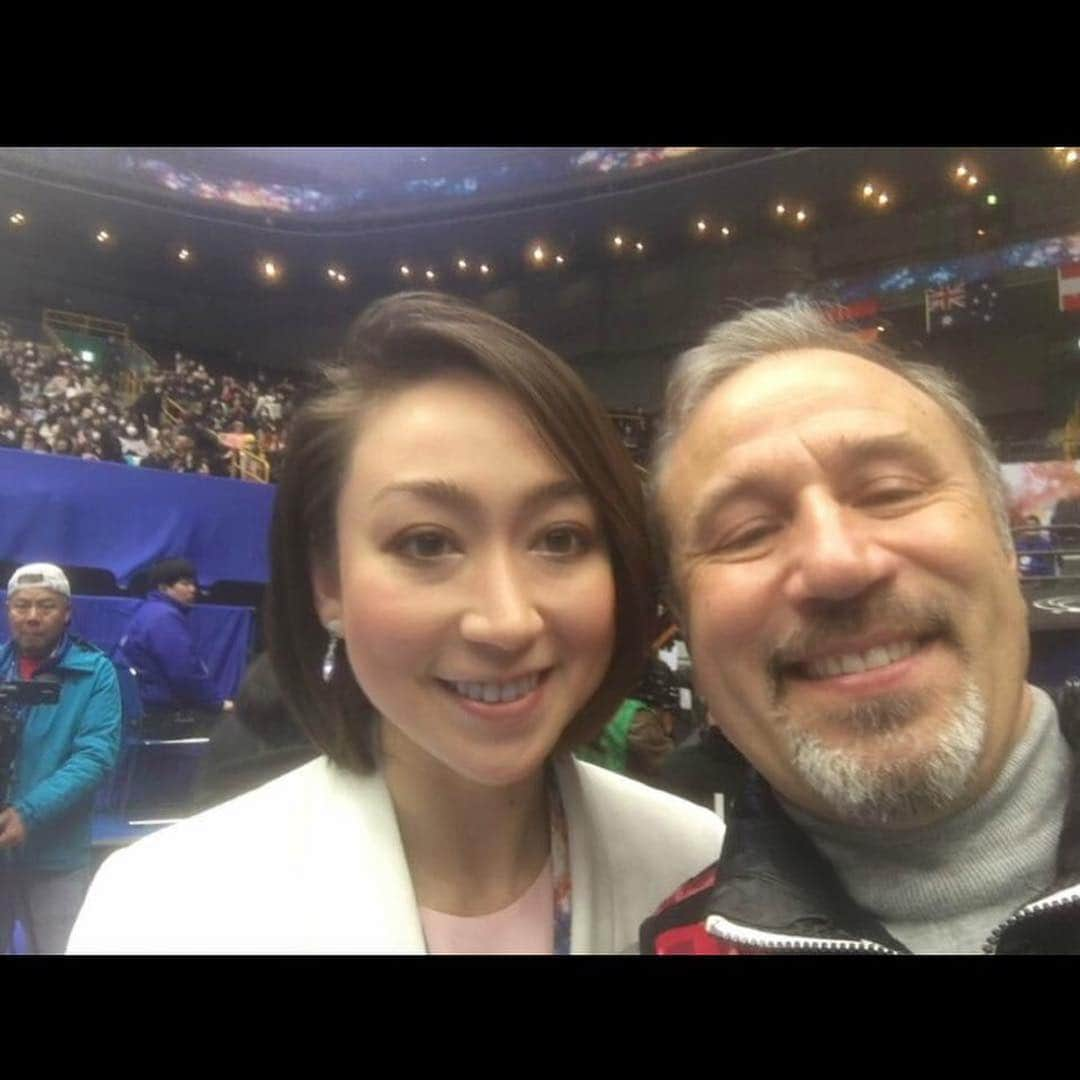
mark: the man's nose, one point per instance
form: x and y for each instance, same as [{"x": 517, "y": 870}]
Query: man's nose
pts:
[
  {"x": 836, "y": 553},
  {"x": 501, "y": 611}
]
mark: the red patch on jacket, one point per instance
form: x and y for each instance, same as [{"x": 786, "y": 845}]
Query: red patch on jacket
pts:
[
  {"x": 705, "y": 880},
  {"x": 692, "y": 940}
]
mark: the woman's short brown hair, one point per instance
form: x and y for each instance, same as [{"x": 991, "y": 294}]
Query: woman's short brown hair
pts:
[{"x": 399, "y": 341}]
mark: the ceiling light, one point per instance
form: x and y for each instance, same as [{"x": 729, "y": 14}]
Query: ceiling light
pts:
[
  {"x": 883, "y": 199},
  {"x": 270, "y": 269},
  {"x": 725, "y": 231},
  {"x": 462, "y": 264},
  {"x": 405, "y": 271},
  {"x": 559, "y": 259},
  {"x": 880, "y": 329},
  {"x": 640, "y": 246},
  {"x": 617, "y": 241},
  {"x": 991, "y": 200},
  {"x": 484, "y": 268},
  {"x": 1070, "y": 157},
  {"x": 183, "y": 254},
  {"x": 972, "y": 180},
  {"x": 429, "y": 274},
  {"x": 18, "y": 218},
  {"x": 102, "y": 236},
  {"x": 538, "y": 254},
  {"x": 867, "y": 191},
  {"x": 961, "y": 172},
  {"x": 781, "y": 209},
  {"x": 800, "y": 216},
  {"x": 980, "y": 232},
  {"x": 701, "y": 226}
]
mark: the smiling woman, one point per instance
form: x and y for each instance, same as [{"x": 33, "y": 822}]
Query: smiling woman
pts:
[{"x": 461, "y": 593}]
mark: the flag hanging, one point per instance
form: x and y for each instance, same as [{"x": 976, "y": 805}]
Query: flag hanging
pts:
[
  {"x": 1069, "y": 287},
  {"x": 960, "y": 304}
]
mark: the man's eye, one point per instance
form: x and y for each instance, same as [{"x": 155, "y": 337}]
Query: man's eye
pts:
[
  {"x": 885, "y": 494},
  {"x": 425, "y": 545}
]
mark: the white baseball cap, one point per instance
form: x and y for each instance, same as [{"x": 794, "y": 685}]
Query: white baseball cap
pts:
[{"x": 39, "y": 575}]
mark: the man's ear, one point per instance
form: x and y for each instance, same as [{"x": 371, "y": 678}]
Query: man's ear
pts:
[{"x": 326, "y": 591}]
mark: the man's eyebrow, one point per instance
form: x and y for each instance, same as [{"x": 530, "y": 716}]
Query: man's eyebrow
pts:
[
  {"x": 848, "y": 451},
  {"x": 455, "y": 496}
]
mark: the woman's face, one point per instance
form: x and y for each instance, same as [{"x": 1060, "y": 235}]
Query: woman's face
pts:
[{"x": 473, "y": 586}]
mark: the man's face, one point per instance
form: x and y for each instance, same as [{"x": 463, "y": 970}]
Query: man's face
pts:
[
  {"x": 857, "y": 628},
  {"x": 37, "y": 617},
  {"x": 184, "y": 591}
]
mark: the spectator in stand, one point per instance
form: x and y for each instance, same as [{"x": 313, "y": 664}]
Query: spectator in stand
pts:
[{"x": 158, "y": 646}]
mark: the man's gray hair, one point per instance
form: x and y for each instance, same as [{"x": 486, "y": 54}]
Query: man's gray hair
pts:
[{"x": 758, "y": 333}]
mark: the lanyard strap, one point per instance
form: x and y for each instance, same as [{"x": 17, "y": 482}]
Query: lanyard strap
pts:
[{"x": 560, "y": 866}]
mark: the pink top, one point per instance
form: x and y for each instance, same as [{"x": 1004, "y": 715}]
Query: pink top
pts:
[{"x": 525, "y": 928}]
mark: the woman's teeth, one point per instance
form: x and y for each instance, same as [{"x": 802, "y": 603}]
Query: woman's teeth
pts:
[{"x": 493, "y": 692}]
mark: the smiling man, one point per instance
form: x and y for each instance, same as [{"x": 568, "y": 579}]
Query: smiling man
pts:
[{"x": 840, "y": 557}]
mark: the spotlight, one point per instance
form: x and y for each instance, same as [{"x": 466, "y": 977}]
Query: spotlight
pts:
[
  {"x": 429, "y": 274},
  {"x": 867, "y": 191},
  {"x": 961, "y": 172},
  {"x": 972, "y": 180},
  {"x": 462, "y": 264},
  {"x": 405, "y": 271},
  {"x": 701, "y": 226},
  {"x": 484, "y": 268},
  {"x": 538, "y": 254},
  {"x": 725, "y": 231},
  {"x": 559, "y": 259},
  {"x": 183, "y": 254},
  {"x": 103, "y": 236},
  {"x": 640, "y": 246},
  {"x": 781, "y": 209},
  {"x": 270, "y": 269},
  {"x": 991, "y": 200},
  {"x": 800, "y": 217},
  {"x": 883, "y": 199},
  {"x": 617, "y": 241}
]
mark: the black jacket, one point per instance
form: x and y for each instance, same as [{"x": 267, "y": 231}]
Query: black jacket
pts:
[{"x": 771, "y": 891}]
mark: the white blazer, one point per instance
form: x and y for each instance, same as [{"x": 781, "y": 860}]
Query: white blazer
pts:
[{"x": 313, "y": 863}]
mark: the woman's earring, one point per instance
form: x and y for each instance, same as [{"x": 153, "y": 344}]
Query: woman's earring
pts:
[{"x": 333, "y": 628}]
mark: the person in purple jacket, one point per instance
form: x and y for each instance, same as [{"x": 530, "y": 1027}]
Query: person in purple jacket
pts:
[{"x": 159, "y": 647}]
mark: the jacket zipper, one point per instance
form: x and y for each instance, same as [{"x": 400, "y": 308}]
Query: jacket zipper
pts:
[
  {"x": 737, "y": 934},
  {"x": 1065, "y": 898}
]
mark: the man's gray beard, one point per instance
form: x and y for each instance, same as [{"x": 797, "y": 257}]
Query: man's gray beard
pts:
[{"x": 899, "y": 787}]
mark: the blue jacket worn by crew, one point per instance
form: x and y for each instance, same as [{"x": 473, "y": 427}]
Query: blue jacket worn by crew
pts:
[
  {"x": 65, "y": 753},
  {"x": 159, "y": 645}
]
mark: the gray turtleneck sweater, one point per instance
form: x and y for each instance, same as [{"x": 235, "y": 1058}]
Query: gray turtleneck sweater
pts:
[{"x": 943, "y": 888}]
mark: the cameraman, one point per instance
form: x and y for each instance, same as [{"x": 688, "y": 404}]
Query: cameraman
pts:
[{"x": 62, "y": 755}]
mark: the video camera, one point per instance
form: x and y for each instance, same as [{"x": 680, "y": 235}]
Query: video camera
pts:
[
  {"x": 29, "y": 693},
  {"x": 14, "y": 694}
]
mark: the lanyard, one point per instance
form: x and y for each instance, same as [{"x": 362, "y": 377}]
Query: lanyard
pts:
[{"x": 560, "y": 866}]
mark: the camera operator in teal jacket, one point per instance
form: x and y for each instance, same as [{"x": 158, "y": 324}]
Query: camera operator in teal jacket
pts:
[{"x": 62, "y": 755}]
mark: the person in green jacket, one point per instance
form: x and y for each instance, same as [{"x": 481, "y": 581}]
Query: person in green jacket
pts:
[{"x": 62, "y": 755}]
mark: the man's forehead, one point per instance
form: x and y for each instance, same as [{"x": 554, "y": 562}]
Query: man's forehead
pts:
[{"x": 37, "y": 593}]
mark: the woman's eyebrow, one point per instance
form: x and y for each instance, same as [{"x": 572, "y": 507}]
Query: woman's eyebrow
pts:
[{"x": 459, "y": 498}]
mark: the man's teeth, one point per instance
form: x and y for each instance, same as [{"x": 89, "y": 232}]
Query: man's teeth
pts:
[
  {"x": 493, "y": 693},
  {"x": 852, "y": 663}
]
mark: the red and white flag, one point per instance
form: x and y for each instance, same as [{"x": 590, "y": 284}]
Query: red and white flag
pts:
[{"x": 1069, "y": 287}]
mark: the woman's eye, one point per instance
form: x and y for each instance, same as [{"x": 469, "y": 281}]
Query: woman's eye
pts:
[
  {"x": 425, "y": 545},
  {"x": 563, "y": 540}
]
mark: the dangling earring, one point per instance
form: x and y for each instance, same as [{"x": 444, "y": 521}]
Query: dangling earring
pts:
[{"x": 333, "y": 628}]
